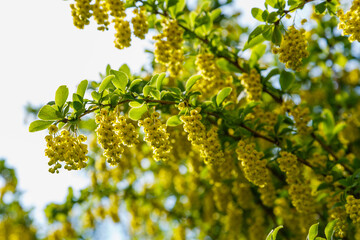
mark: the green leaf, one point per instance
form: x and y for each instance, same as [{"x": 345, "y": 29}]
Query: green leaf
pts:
[
  {"x": 120, "y": 80},
  {"x": 272, "y": 73},
  {"x": 170, "y": 3},
  {"x": 257, "y": 31},
  {"x": 191, "y": 81},
  {"x": 272, "y": 17},
  {"x": 192, "y": 18},
  {"x": 173, "y": 121},
  {"x": 319, "y": 238},
  {"x": 81, "y": 89},
  {"x": 272, "y": 235},
  {"x": 48, "y": 113},
  {"x": 331, "y": 6},
  {"x": 286, "y": 80},
  {"x": 267, "y": 34},
  {"x": 339, "y": 127},
  {"x": 256, "y": 53},
  {"x": 313, "y": 232},
  {"x": 39, "y": 125},
  {"x": 147, "y": 89},
  {"x": 225, "y": 65},
  {"x": 105, "y": 83},
  {"x": 77, "y": 105},
  {"x": 134, "y": 83},
  {"x": 136, "y": 113},
  {"x": 215, "y": 14},
  {"x": 125, "y": 68},
  {"x": 320, "y": 8},
  {"x": 330, "y": 229},
  {"x": 159, "y": 80},
  {"x": 155, "y": 93},
  {"x": 152, "y": 81},
  {"x": 135, "y": 104},
  {"x": 258, "y": 39},
  {"x": 108, "y": 68},
  {"x": 257, "y": 14},
  {"x": 272, "y": 3},
  {"x": 276, "y": 36},
  {"x": 329, "y": 121},
  {"x": 77, "y": 97},
  {"x": 223, "y": 93},
  {"x": 95, "y": 95},
  {"x": 61, "y": 96}
]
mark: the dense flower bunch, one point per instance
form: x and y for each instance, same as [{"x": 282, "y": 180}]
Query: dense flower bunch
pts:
[
  {"x": 293, "y": 48},
  {"x": 349, "y": 22},
  {"x": 252, "y": 84},
  {"x": 302, "y": 117},
  {"x": 353, "y": 208},
  {"x": 100, "y": 15},
  {"x": 123, "y": 33},
  {"x": 207, "y": 141},
  {"x": 156, "y": 136},
  {"x": 289, "y": 165},
  {"x": 140, "y": 23},
  {"x": 113, "y": 132},
  {"x": 268, "y": 194},
  {"x": 299, "y": 191},
  {"x": 253, "y": 165},
  {"x": 65, "y": 148},
  {"x": 212, "y": 78},
  {"x": 338, "y": 213},
  {"x": 168, "y": 46},
  {"x": 102, "y": 11},
  {"x": 81, "y": 13}
]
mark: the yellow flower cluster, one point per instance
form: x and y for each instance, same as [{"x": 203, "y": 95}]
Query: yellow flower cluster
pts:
[
  {"x": 123, "y": 33},
  {"x": 293, "y": 48},
  {"x": 302, "y": 117},
  {"x": 268, "y": 194},
  {"x": 81, "y": 13},
  {"x": 113, "y": 132},
  {"x": 179, "y": 233},
  {"x": 233, "y": 218},
  {"x": 301, "y": 197},
  {"x": 66, "y": 231},
  {"x": 352, "y": 207},
  {"x": 244, "y": 196},
  {"x": 206, "y": 65},
  {"x": 289, "y": 165},
  {"x": 341, "y": 226},
  {"x": 140, "y": 23},
  {"x": 211, "y": 81},
  {"x": 299, "y": 192},
  {"x": 100, "y": 15},
  {"x": 156, "y": 136},
  {"x": 252, "y": 84},
  {"x": 253, "y": 166},
  {"x": 117, "y": 8},
  {"x": 208, "y": 142},
  {"x": 168, "y": 46},
  {"x": 257, "y": 225},
  {"x": 101, "y": 10},
  {"x": 265, "y": 117},
  {"x": 65, "y": 148},
  {"x": 350, "y": 21},
  {"x": 222, "y": 196}
]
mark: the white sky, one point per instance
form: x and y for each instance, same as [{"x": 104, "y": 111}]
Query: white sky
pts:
[{"x": 40, "y": 49}]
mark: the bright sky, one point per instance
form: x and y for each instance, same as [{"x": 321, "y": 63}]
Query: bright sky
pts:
[{"x": 40, "y": 49}]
